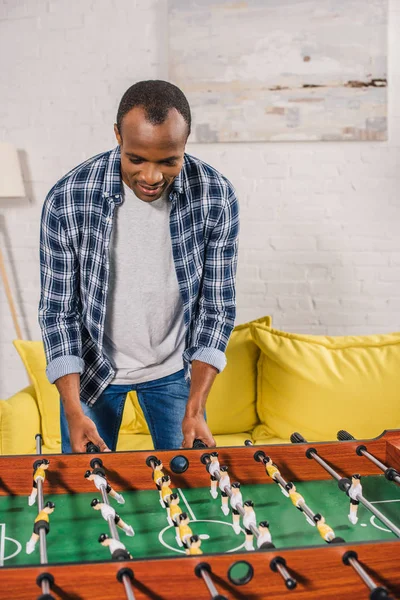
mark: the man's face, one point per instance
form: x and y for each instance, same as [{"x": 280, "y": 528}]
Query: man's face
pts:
[{"x": 151, "y": 155}]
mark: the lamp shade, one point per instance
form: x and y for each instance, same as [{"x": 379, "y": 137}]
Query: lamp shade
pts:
[{"x": 11, "y": 183}]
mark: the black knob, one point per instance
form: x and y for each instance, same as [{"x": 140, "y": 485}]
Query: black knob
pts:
[
  {"x": 297, "y": 438},
  {"x": 344, "y": 436}
]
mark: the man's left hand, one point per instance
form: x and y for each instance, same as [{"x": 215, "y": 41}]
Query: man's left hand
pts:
[{"x": 196, "y": 427}]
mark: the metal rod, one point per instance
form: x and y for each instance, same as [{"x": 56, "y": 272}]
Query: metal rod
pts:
[
  {"x": 128, "y": 587},
  {"x": 283, "y": 571},
  {"x": 379, "y": 464},
  {"x": 43, "y": 547},
  {"x": 45, "y": 585},
  {"x": 38, "y": 438},
  {"x": 42, "y": 533},
  {"x": 360, "y": 497},
  {"x": 325, "y": 465},
  {"x": 110, "y": 520},
  {"x": 40, "y": 500},
  {"x": 239, "y": 507},
  {"x": 373, "y": 459},
  {"x": 307, "y": 510},
  {"x": 278, "y": 477},
  {"x": 209, "y": 583},
  {"x": 362, "y": 573},
  {"x": 379, "y": 515}
]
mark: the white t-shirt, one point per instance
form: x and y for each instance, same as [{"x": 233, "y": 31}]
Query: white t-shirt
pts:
[{"x": 144, "y": 332}]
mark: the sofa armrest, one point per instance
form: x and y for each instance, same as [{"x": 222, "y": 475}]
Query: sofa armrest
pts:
[{"x": 20, "y": 422}]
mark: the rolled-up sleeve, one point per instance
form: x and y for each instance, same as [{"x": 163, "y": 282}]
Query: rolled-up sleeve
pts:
[
  {"x": 216, "y": 309},
  {"x": 59, "y": 307}
]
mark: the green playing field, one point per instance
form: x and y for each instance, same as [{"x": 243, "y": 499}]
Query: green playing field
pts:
[{"x": 75, "y": 526}]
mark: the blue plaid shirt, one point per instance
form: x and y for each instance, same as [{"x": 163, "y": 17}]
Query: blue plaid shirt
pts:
[{"x": 76, "y": 226}]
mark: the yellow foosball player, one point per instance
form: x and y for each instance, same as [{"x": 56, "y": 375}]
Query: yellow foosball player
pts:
[
  {"x": 273, "y": 472},
  {"x": 195, "y": 543},
  {"x": 158, "y": 474},
  {"x": 166, "y": 494},
  {"x": 325, "y": 531},
  {"x": 298, "y": 500},
  {"x": 185, "y": 532},
  {"x": 41, "y": 467},
  {"x": 41, "y": 522},
  {"x": 175, "y": 511}
]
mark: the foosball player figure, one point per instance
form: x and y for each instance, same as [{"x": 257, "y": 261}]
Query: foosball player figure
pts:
[
  {"x": 99, "y": 480},
  {"x": 325, "y": 531},
  {"x": 166, "y": 495},
  {"x": 117, "y": 548},
  {"x": 185, "y": 532},
  {"x": 39, "y": 473},
  {"x": 108, "y": 511},
  {"x": 212, "y": 467},
  {"x": 223, "y": 483},
  {"x": 354, "y": 490},
  {"x": 297, "y": 499},
  {"x": 175, "y": 511},
  {"x": 158, "y": 474},
  {"x": 236, "y": 499},
  {"x": 249, "y": 519},
  {"x": 41, "y": 522},
  {"x": 195, "y": 543},
  {"x": 273, "y": 471},
  {"x": 264, "y": 540}
]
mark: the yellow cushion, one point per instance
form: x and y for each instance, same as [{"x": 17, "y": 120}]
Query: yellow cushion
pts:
[
  {"x": 48, "y": 399},
  {"x": 319, "y": 384},
  {"x": 231, "y": 405},
  {"x": 6, "y": 414}
]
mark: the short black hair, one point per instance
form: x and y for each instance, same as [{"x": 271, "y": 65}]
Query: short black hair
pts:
[{"x": 157, "y": 98}]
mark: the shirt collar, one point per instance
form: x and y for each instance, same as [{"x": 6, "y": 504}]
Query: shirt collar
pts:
[{"x": 112, "y": 178}]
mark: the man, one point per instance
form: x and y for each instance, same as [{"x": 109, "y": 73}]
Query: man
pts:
[{"x": 138, "y": 260}]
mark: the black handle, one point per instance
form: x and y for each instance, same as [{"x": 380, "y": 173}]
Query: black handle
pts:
[
  {"x": 297, "y": 438},
  {"x": 344, "y": 436},
  {"x": 199, "y": 444},
  {"x": 92, "y": 448}
]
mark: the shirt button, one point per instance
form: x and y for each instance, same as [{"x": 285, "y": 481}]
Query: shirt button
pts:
[{"x": 117, "y": 196}]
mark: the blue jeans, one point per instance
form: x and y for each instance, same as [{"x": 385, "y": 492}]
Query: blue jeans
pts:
[{"x": 163, "y": 402}]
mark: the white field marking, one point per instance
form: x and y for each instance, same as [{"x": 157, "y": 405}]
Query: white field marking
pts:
[
  {"x": 372, "y": 519},
  {"x": 160, "y": 536},
  {"x": 3, "y": 539},
  {"x": 187, "y": 505},
  {"x": 363, "y": 525}
]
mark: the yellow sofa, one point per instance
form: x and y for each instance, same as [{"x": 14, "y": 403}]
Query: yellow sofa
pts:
[{"x": 275, "y": 383}]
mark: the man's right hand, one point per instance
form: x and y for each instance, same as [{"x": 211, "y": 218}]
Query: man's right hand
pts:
[
  {"x": 81, "y": 431},
  {"x": 81, "y": 428}
]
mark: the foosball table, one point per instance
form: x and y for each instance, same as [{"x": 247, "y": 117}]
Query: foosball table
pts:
[{"x": 250, "y": 523}]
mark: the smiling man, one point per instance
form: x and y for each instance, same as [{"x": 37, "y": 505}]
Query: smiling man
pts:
[{"x": 138, "y": 258}]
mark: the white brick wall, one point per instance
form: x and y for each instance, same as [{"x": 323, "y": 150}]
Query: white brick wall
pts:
[{"x": 320, "y": 244}]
